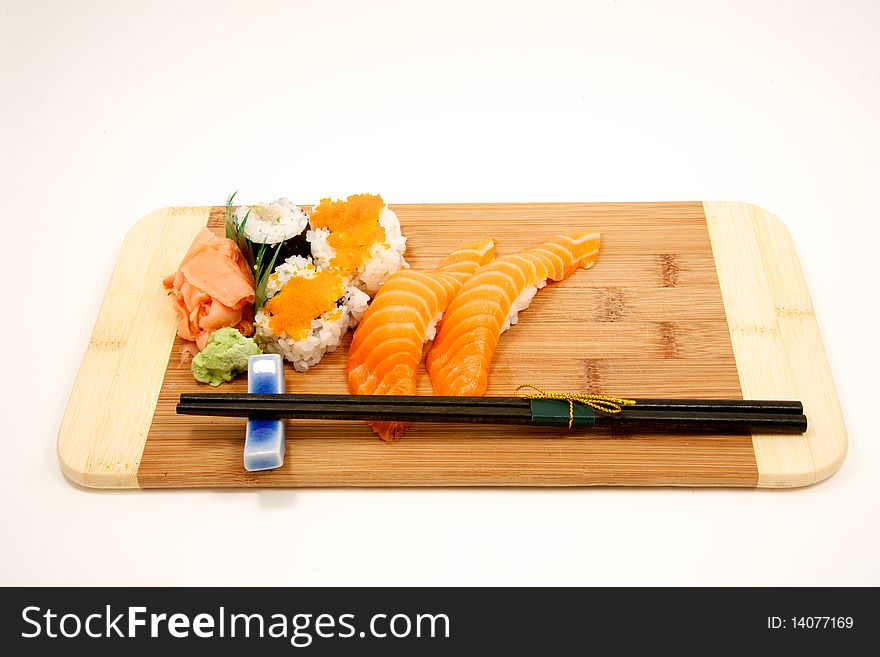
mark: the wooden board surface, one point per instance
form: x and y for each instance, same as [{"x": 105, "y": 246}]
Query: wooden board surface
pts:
[{"x": 687, "y": 300}]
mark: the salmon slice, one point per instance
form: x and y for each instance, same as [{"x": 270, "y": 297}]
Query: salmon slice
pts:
[
  {"x": 387, "y": 346},
  {"x": 488, "y": 303}
]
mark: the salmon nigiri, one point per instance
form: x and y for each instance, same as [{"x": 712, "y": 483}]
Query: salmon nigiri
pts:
[
  {"x": 487, "y": 304},
  {"x": 386, "y": 348}
]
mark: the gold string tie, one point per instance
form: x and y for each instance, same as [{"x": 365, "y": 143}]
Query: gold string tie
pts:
[{"x": 599, "y": 402}]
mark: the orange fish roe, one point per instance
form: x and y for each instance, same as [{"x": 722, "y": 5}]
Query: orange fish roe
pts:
[
  {"x": 301, "y": 300},
  {"x": 354, "y": 228}
]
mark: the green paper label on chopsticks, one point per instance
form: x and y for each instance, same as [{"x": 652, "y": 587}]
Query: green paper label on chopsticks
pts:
[{"x": 559, "y": 412}]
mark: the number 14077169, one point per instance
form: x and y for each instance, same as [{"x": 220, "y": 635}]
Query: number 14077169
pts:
[{"x": 810, "y": 623}]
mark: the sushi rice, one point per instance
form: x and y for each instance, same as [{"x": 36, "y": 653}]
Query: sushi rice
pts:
[
  {"x": 267, "y": 234},
  {"x": 384, "y": 258},
  {"x": 522, "y": 302},
  {"x": 324, "y": 332},
  {"x": 431, "y": 330},
  {"x": 311, "y": 301},
  {"x": 273, "y": 222}
]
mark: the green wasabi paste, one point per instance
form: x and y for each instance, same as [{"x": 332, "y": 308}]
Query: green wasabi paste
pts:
[{"x": 225, "y": 356}]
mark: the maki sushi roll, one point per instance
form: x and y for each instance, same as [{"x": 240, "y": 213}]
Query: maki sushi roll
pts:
[
  {"x": 307, "y": 311},
  {"x": 359, "y": 237},
  {"x": 306, "y": 304},
  {"x": 280, "y": 225},
  {"x": 265, "y": 234}
]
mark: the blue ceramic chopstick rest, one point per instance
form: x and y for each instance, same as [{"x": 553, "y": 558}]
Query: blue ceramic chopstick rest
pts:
[{"x": 264, "y": 439}]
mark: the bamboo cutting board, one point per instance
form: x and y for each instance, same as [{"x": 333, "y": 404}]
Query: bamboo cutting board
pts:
[{"x": 686, "y": 300}]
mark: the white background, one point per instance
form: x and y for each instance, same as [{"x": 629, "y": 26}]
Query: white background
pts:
[{"x": 110, "y": 110}]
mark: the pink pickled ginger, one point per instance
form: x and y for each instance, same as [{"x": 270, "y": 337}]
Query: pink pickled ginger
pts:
[{"x": 213, "y": 288}]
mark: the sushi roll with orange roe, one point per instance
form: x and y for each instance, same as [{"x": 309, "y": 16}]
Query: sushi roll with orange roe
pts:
[
  {"x": 308, "y": 311},
  {"x": 312, "y": 301},
  {"x": 360, "y": 237}
]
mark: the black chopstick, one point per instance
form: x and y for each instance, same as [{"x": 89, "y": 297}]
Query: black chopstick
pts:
[
  {"x": 424, "y": 413},
  {"x": 654, "y": 415},
  {"x": 655, "y": 404}
]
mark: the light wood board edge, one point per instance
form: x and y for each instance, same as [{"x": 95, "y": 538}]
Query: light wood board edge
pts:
[
  {"x": 776, "y": 341},
  {"x": 108, "y": 416}
]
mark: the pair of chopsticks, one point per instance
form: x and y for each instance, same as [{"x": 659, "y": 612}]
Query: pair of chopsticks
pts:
[{"x": 688, "y": 415}]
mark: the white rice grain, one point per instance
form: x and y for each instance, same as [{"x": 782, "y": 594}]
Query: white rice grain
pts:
[
  {"x": 325, "y": 332},
  {"x": 385, "y": 257},
  {"x": 521, "y": 303},
  {"x": 272, "y": 222}
]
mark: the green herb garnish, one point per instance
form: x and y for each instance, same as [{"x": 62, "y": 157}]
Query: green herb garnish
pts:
[
  {"x": 262, "y": 269},
  {"x": 230, "y": 225},
  {"x": 261, "y": 275}
]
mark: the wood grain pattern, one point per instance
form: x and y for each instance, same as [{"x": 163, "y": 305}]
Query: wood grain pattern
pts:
[
  {"x": 647, "y": 320},
  {"x": 776, "y": 341},
  {"x": 111, "y": 407},
  {"x": 687, "y": 300}
]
